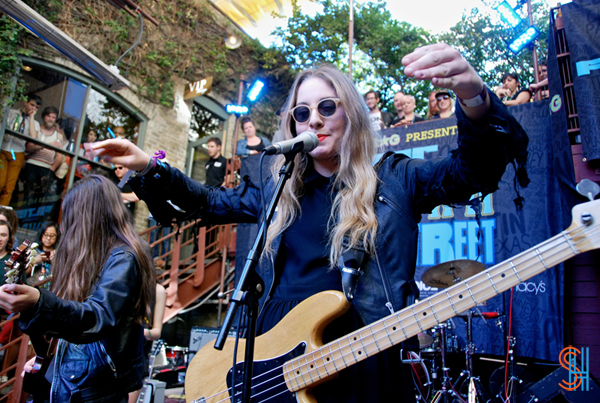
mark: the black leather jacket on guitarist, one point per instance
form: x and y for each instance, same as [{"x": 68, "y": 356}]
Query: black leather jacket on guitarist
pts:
[
  {"x": 99, "y": 355},
  {"x": 408, "y": 189}
]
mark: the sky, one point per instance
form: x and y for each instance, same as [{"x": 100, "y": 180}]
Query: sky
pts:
[{"x": 437, "y": 16}]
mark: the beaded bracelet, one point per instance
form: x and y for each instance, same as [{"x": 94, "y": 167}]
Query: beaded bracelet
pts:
[{"x": 159, "y": 155}]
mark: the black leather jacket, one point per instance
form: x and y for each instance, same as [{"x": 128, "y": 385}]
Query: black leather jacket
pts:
[
  {"x": 408, "y": 188},
  {"x": 99, "y": 354}
]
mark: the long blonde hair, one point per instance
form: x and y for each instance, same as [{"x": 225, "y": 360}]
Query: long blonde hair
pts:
[{"x": 353, "y": 212}]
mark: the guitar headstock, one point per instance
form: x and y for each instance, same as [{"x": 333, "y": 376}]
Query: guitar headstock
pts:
[
  {"x": 157, "y": 346},
  {"x": 20, "y": 259},
  {"x": 585, "y": 228}
]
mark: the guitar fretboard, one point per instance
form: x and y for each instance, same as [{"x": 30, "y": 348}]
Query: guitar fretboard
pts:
[{"x": 312, "y": 367}]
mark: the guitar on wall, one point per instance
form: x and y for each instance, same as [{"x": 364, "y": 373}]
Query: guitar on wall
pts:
[
  {"x": 291, "y": 358},
  {"x": 155, "y": 350},
  {"x": 34, "y": 384}
]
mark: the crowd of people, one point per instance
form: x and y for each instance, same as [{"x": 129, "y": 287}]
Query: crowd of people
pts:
[{"x": 442, "y": 103}]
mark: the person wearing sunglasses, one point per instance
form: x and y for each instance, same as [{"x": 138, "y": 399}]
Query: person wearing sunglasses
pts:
[
  {"x": 445, "y": 105},
  {"x": 338, "y": 207},
  {"x": 127, "y": 195}
]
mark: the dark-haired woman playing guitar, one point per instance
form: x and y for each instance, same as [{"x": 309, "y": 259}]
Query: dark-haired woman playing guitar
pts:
[{"x": 103, "y": 281}]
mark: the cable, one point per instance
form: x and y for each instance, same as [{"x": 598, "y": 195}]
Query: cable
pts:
[
  {"x": 136, "y": 42},
  {"x": 508, "y": 346}
]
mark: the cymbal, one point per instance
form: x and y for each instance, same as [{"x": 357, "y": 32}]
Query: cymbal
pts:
[
  {"x": 447, "y": 274},
  {"x": 425, "y": 340}
]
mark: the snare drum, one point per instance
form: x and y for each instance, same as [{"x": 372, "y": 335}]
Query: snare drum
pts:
[{"x": 177, "y": 355}]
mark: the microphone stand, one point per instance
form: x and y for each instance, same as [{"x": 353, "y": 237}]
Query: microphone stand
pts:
[{"x": 250, "y": 286}]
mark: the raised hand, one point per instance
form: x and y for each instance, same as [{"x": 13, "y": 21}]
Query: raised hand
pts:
[{"x": 445, "y": 67}]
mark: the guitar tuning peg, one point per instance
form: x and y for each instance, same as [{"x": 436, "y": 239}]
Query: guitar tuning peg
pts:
[{"x": 588, "y": 189}]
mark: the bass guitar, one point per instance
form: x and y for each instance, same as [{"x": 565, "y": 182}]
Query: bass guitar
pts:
[{"x": 291, "y": 358}]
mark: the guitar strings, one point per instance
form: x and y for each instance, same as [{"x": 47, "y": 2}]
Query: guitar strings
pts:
[
  {"x": 456, "y": 287},
  {"x": 411, "y": 316},
  {"x": 486, "y": 296}
]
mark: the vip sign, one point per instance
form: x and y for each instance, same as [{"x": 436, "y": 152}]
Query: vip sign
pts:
[{"x": 198, "y": 88}]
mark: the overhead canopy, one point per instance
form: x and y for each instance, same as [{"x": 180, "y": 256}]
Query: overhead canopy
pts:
[
  {"x": 255, "y": 16},
  {"x": 62, "y": 42}
]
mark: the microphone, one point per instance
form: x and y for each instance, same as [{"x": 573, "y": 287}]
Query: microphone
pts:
[{"x": 306, "y": 142}]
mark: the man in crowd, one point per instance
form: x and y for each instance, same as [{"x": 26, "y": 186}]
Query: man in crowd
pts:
[
  {"x": 542, "y": 85},
  {"x": 433, "y": 106},
  {"x": 398, "y": 107},
  {"x": 119, "y": 132},
  {"x": 127, "y": 195},
  {"x": 409, "y": 104},
  {"x": 38, "y": 172},
  {"x": 216, "y": 167},
  {"x": 379, "y": 120},
  {"x": 12, "y": 155}
]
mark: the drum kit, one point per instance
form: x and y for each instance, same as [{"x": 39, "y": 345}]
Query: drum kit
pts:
[
  {"x": 432, "y": 373},
  {"x": 171, "y": 357}
]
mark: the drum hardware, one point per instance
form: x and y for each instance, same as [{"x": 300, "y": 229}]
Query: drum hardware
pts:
[
  {"x": 447, "y": 274},
  {"x": 467, "y": 387},
  {"x": 467, "y": 381},
  {"x": 513, "y": 379},
  {"x": 420, "y": 375}
]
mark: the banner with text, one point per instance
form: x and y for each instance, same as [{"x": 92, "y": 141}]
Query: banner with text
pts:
[{"x": 451, "y": 233}]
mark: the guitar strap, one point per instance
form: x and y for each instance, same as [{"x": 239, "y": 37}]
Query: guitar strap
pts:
[{"x": 349, "y": 264}]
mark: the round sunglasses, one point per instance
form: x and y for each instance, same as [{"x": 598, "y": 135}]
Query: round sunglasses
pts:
[
  {"x": 442, "y": 97},
  {"x": 326, "y": 108}
]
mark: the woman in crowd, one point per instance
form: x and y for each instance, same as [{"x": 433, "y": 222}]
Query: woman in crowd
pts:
[
  {"x": 9, "y": 215},
  {"x": 336, "y": 202},
  {"x": 445, "y": 105},
  {"x": 511, "y": 92},
  {"x": 252, "y": 144},
  {"x": 9, "y": 355},
  {"x": 6, "y": 245},
  {"x": 152, "y": 332},
  {"x": 47, "y": 237},
  {"x": 103, "y": 282}
]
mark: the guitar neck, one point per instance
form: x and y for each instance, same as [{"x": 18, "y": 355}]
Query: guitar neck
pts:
[{"x": 312, "y": 367}]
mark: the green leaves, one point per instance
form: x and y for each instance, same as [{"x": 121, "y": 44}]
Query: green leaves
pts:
[
  {"x": 483, "y": 42},
  {"x": 380, "y": 42},
  {"x": 11, "y": 86}
]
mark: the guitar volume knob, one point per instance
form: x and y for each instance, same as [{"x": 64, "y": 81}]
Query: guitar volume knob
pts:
[{"x": 587, "y": 218}]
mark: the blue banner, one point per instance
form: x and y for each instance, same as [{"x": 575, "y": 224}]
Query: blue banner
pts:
[{"x": 451, "y": 233}]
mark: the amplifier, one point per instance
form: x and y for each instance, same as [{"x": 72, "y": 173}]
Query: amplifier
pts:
[{"x": 200, "y": 336}]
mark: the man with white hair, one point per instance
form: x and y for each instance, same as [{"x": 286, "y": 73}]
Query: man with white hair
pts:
[{"x": 409, "y": 104}]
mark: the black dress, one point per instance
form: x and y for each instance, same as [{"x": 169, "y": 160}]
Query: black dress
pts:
[{"x": 302, "y": 270}]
